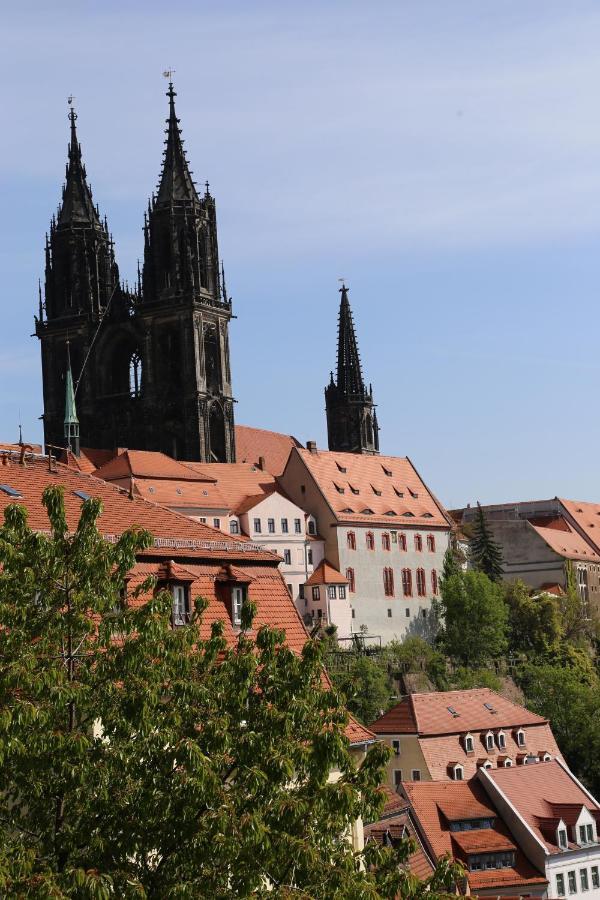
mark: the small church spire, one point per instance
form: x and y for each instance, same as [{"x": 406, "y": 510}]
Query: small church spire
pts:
[
  {"x": 71, "y": 420},
  {"x": 351, "y": 420},
  {"x": 176, "y": 179},
  {"x": 77, "y": 207}
]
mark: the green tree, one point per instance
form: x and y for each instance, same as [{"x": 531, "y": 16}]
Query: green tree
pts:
[
  {"x": 142, "y": 761},
  {"x": 474, "y": 619},
  {"x": 485, "y": 554},
  {"x": 534, "y": 622},
  {"x": 365, "y": 685},
  {"x": 452, "y": 561}
]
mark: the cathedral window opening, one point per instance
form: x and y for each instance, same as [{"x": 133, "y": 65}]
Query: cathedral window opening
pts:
[
  {"x": 135, "y": 375},
  {"x": 351, "y": 580}
]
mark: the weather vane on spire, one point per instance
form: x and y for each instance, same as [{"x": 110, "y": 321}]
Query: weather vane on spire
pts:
[
  {"x": 342, "y": 281},
  {"x": 72, "y": 113},
  {"x": 168, "y": 73}
]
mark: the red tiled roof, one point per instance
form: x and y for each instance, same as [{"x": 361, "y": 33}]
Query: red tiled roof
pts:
[
  {"x": 395, "y": 819},
  {"x": 434, "y": 804},
  {"x": 357, "y": 733},
  {"x": 431, "y": 714},
  {"x": 399, "y": 499},
  {"x": 325, "y": 573},
  {"x": 149, "y": 464},
  {"x": 237, "y": 482},
  {"x": 587, "y": 517},
  {"x": 182, "y": 495},
  {"x": 274, "y": 447},
  {"x": 566, "y": 542},
  {"x": 542, "y": 791}
]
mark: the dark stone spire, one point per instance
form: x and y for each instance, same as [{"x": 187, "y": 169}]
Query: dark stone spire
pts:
[
  {"x": 351, "y": 419},
  {"x": 77, "y": 206},
  {"x": 349, "y": 373},
  {"x": 176, "y": 179}
]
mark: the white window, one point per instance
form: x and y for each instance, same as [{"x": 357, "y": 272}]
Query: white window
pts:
[
  {"x": 563, "y": 842},
  {"x": 312, "y": 528},
  {"x": 216, "y": 523},
  {"x": 287, "y": 557},
  {"x": 590, "y": 833},
  {"x": 316, "y": 594},
  {"x": 271, "y": 526},
  {"x": 489, "y": 740},
  {"x": 237, "y": 600},
  {"x": 469, "y": 745},
  {"x": 297, "y": 526},
  {"x": 396, "y": 747},
  {"x": 331, "y": 593},
  {"x": 257, "y": 526},
  {"x": 595, "y": 877},
  {"x": 507, "y": 763},
  {"x": 342, "y": 591},
  {"x": 284, "y": 526},
  {"x": 572, "y": 882},
  {"x": 560, "y": 885},
  {"x": 416, "y": 774},
  {"x": 458, "y": 773},
  {"x": 234, "y": 526},
  {"x": 583, "y": 880},
  {"x": 501, "y": 740},
  {"x": 181, "y": 612},
  {"x": 521, "y": 737}
]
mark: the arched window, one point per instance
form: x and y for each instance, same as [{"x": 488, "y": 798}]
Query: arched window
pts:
[
  {"x": 370, "y": 540},
  {"x": 431, "y": 543},
  {"x": 217, "y": 434},
  {"x": 407, "y": 582},
  {"x": 418, "y": 542},
  {"x": 434, "y": 582},
  {"x": 351, "y": 581},
  {"x": 402, "y": 542},
  {"x": 421, "y": 589},
  {"x": 135, "y": 374},
  {"x": 388, "y": 582},
  {"x": 351, "y": 540},
  {"x": 385, "y": 541},
  {"x": 369, "y": 430}
]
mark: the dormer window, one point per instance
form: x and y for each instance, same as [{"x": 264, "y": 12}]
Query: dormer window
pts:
[
  {"x": 237, "y": 601},
  {"x": 506, "y": 762},
  {"x": 501, "y": 740},
  {"x": 180, "y": 614},
  {"x": 563, "y": 841},
  {"x": 234, "y": 526},
  {"x": 489, "y": 740},
  {"x": 312, "y": 526},
  {"x": 457, "y": 772},
  {"x": 520, "y": 738},
  {"x": 469, "y": 743}
]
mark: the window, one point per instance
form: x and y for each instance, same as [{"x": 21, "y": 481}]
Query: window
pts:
[
  {"x": 301, "y": 591},
  {"x": 216, "y": 523},
  {"x": 421, "y": 589},
  {"x": 489, "y": 741},
  {"x": 590, "y": 833},
  {"x": 560, "y": 885},
  {"x": 331, "y": 592},
  {"x": 81, "y": 494},
  {"x": 482, "y": 861},
  {"x": 572, "y": 882},
  {"x": 316, "y": 594},
  {"x": 309, "y": 556},
  {"x": 469, "y": 745},
  {"x": 353, "y": 613},
  {"x": 297, "y": 526},
  {"x": 389, "y": 614},
  {"x": 416, "y": 774},
  {"x": 431, "y": 543},
  {"x": 351, "y": 540},
  {"x": 385, "y": 541},
  {"x": 388, "y": 582},
  {"x": 396, "y": 747},
  {"x": 312, "y": 527},
  {"x": 342, "y": 591},
  {"x": 418, "y": 542},
  {"x": 595, "y": 877},
  {"x": 290, "y": 590},
  {"x": 284, "y": 526},
  {"x": 370, "y": 538},
  {"x": 181, "y": 608},
  {"x": 407, "y": 582},
  {"x": 521, "y": 737},
  {"x": 135, "y": 375},
  {"x": 407, "y": 613},
  {"x": 563, "y": 843},
  {"x": 397, "y": 777},
  {"x": 203, "y": 520},
  {"x": 270, "y": 526},
  {"x": 582, "y": 834},
  {"x": 457, "y": 773},
  {"x": 402, "y": 542},
  {"x": 351, "y": 582},
  {"x": 434, "y": 583},
  {"x": 237, "y": 601},
  {"x": 234, "y": 526},
  {"x": 501, "y": 740},
  {"x": 287, "y": 557},
  {"x": 583, "y": 880},
  {"x": 257, "y": 526}
]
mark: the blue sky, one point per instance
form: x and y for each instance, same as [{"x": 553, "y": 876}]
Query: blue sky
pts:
[{"x": 443, "y": 157}]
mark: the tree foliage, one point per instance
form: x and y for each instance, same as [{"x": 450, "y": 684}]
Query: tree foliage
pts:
[
  {"x": 484, "y": 552},
  {"x": 142, "y": 761},
  {"x": 474, "y": 619},
  {"x": 535, "y": 621},
  {"x": 366, "y": 687}
]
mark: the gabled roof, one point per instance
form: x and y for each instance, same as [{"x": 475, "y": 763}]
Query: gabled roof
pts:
[
  {"x": 274, "y": 447},
  {"x": 587, "y": 517},
  {"x": 149, "y": 464},
  {"x": 237, "y": 482},
  {"x": 388, "y": 486},
  {"x": 541, "y": 792},
  {"x": 566, "y": 541},
  {"x": 184, "y": 496},
  {"x": 325, "y": 573},
  {"x": 451, "y": 712}
]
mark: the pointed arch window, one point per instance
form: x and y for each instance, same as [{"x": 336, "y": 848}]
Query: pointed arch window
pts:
[
  {"x": 407, "y": 582},
  {"x": 351, "y": 580},
  {"x": 388, "y": 582},
  {"x": 351, "y": 540},
  {"x": 402, "y": 542},
  {"x": 385, "y": 541},
  {"x": 135, "y": 374},
  {"x": 370, "y": 537},
  {"x": 421, "y": 589},
  {"x": 434, "y": 582},
  {"x": 418, "y": 543}
]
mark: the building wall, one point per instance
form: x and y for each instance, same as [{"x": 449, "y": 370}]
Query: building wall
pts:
[{"x": 410, "y": 759}]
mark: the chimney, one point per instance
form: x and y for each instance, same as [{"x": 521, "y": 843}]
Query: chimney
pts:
[
  {"x": 261, "y": 463},
  {"x": 311, "y": 446}
]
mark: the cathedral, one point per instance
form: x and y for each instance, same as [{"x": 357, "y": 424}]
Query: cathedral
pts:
[{"x": 148, "y": 368}]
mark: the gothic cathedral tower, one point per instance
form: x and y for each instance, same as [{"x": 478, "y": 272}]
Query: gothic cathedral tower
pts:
[
  {"x": 351, "y": 418},
  {"x": 151, "y": 366}
]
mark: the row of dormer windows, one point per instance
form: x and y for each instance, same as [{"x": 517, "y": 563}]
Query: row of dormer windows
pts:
[
  {"x": 492, "y": 740},
  {"x": 391, "y": 537},
  {"x": 181, "y": 612}
]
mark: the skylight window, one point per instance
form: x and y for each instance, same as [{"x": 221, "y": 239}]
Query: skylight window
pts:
[
  {"x": 354, "y": 490},
  {"x": 427, "y": 515},
  {"x": 387, "y": 472},
  {"x": 390, "y": 512},
  {"x": 412, "y": 493},
  {"x": 82, "y": 495},
  {"x": 338, "y": 488},
  {"x": 366, "y": 511},
  {"x": 408, "y": 515},
  {"x": 489, "y": 707},
  {"x": 341, "y": 468},
  {"x": 398, "y": 493},
  {"x": 375, "y": 491},
  {"x": 347, "y": 510},
  {"x": 452, "y": 712},
  {"x": 10, "y": 491}
]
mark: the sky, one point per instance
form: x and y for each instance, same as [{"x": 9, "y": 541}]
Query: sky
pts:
[{"x": 443, "y": 158}]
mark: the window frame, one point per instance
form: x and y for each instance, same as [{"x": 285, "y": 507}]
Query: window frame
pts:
[
  {"x": 341, "y": 591},
  {"x": 234, "y": 526},
  {"x": 407, "y": 587},
  {"x": 270, "y": 526},
  {"x": 238, "y": 595},
  {"x": 388, "y": 581},
  {"x": 396, "y": 747},
  {"x": 331, "y": 592},
  {"x": 418, "y": 543},
  {"x": 350, "y": 575},
  {"x": 560, "y": 884},
  {"x": 287, "y": 557},
  {"x": 257, "y": 526},
  {"x": 416, "y": 772},
  {"x": 386, "y": 543},
  {"x": 431, "y": 543},
  {"x": 285, "y": 526},
  {"x": 572, "y": 881},
  {"x": 316, "y": 592},
  {"x": 584, "y": 880},
  {"x": 297, "y": 526},
  {"x": 178, "y": 619},
  {"x": 351, "y": 540},
  {"x": 370, "y": 540},
  {"x": 421, "y": 582}
]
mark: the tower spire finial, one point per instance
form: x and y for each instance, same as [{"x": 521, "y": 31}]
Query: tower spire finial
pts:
[
  {"x": 176, "y": 179},
  {"x": 71, "y": 420}
]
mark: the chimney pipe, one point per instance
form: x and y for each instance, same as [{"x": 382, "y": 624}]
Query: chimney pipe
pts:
[
  {"x": 261, "y": 463},
  {"x": 311, "y": 446}
]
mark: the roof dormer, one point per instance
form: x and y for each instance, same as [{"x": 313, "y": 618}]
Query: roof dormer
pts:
[
  {"x": 519, "y": 736},
  {"x": 505, "y": 762},
  {"x": 456, "y": 771},
  {"x": 468, "y": 743},
  {"x": 489, "y": 740},
  {"x": 501, "y": 740},
  {"x": 562, "y": 838},
  {"x": 484, "y": 764}
]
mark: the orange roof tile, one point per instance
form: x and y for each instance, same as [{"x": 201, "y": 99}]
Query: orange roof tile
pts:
[
  {"x": 274, "y": 447},
  {"x": 566, "y": 542},
  {"x": 587, "y": 517},
  {"x": 353, "y": 484},
  {"x": 325, "y": 573},
  {"x": 181, "y": 495},
  {"x": 542, "y": 791},
  {"x": 237, "y": 482},
  {"x": 149, "y": 464}
]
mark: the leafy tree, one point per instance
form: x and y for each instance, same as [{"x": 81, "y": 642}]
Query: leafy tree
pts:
[
  {"x": 534, "y": 622},
  {"x": 475, "y": 619},
  {"x": 452, "y": 561},
  {"x": 463, "y": 679},
  {"x": 484, "y": 552},
  {"x": 365, "y": 685},
  {"x": 415, "y": 655},
  {"x": 141, "y": 761}
]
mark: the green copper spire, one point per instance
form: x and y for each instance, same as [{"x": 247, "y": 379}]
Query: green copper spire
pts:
[{"x": 71, "y": 420}]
